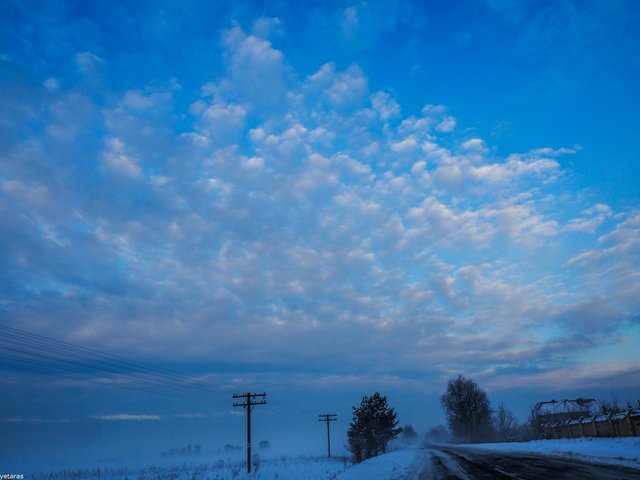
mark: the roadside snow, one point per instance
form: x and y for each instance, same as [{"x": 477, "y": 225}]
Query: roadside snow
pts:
[
  {"x": 390, "y": 466},
  {"x": 617, "y": 451}
]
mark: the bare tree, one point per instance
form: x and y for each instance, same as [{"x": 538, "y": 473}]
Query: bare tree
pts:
[
  {"x": 438, "y": 433},
  {"x": 505, "y": 423},
  {"x": 610, "y": 406},
  {"x": 467, "y": 410},
  {"x": 409, "y": 434}
]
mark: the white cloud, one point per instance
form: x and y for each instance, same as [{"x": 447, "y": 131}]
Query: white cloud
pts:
[
  {"x": 437, "y": 222},
  {"x": 433, "y": 110},
  {"x": 348, "y": 88},
  {"x": 449, "y": 176},
  {"x": 88, "y": 63},
  {"x": 521, "y": 224},
  {"x": 621, "y": 246},
  {"x": 35, "y": 420},
  {"x": 147, "y": 102},
  {"x": 550, "y": 152},
  {"x": 599, "y": 208},
  {"x": 158, "y": 181},
  {"x": 266, "y": 27},
  {"x": 475, "y": 150},
  {"x": 349, "y": 22},
  {"x": 587, "y": 225},
  {"x": 223, "y": 123},
  {"x": 52, "y": 84},
  {"x": 385, "y": 105},
  {"x": 254, "y": 163},
  {"x": 584, "y": 376},
  {"x": 35, "y": 195},
  {"x": 418, "y": 167},
  {"x": 405, "y": 146},
  {"x": 256, "y": 70},
  {"x": 128, "y": 417},
  {"x": 289, "y": 213},
  {"x": 446, "y": 125},
  {"x": 512, "y": 169},
  {"x": 437, "y": 115},
  {"x": 439, "y": 154},
  {"x": 116, "y": 160},
  {"x": 339, "y": 90}
]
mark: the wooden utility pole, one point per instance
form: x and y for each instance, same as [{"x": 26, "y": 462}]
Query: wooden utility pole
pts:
[
  {"x": 249, "y": 402},
  {"x": 328, "y": 417}
]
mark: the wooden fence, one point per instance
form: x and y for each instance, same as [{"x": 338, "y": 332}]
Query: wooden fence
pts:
[{"x": 623, "y": 424}]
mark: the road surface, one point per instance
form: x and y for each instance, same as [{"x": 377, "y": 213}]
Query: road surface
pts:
[{"x": 461, "y": 463}]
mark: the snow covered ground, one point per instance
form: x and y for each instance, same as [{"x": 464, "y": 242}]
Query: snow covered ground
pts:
[
  {"x": 392, "y": 466},
  {"x": 276, "y": 467},
  {"x": 396, "y": 465},
  {"x": 617, "y": 451}
]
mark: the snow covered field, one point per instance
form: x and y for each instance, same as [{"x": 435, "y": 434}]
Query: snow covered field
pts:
[
  {"x": 392, "y": 466},
  {"x": 617, "y": 451},
  {"x": 397, "y": 465},
  {"x": 280, "y": 468}
]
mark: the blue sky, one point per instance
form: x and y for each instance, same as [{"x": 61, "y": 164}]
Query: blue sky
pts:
[{"x": 321, "y": 200}]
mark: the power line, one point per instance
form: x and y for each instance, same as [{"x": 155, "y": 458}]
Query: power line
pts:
[
  {"x": 249, "y": 403},
  {"x": 26, "y": 351},
  {"x": 34, "y": 367},
  {"x": 33, "y": 339}
]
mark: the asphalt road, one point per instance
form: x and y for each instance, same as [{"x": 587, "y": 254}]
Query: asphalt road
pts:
[{"x": 457, "y": 463}]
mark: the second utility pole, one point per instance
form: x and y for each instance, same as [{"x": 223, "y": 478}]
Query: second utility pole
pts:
[
  {"x": 248, "y": 404},
  {"x": 328, "y": 417}
]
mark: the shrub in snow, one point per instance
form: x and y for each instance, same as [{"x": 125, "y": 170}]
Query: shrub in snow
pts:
[{"x": 264, "y": 445}]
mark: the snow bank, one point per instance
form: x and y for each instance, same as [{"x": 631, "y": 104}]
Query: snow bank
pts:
[
  {"x": 619, "y": 451},
  {"x": 390, "y": 466}
]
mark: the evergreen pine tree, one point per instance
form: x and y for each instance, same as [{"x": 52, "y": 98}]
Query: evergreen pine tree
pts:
[{"x": 373, "y": 426}]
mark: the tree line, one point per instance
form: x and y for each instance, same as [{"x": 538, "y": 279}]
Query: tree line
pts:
[
  {"x": 469, "y": 416},
  {"x": 467, "y": 409}
]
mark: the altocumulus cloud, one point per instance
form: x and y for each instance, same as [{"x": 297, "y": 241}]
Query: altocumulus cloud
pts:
[{"x": 283, "y": 219}]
